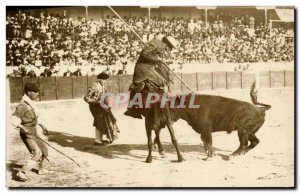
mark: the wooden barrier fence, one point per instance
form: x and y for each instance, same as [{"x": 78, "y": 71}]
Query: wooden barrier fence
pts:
[{"x": 57, "y": 88}]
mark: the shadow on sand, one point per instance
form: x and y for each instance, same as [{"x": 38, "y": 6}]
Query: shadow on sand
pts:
[
  {"x": 111, "y": 151},
  {"x": 14, "y": 168}
]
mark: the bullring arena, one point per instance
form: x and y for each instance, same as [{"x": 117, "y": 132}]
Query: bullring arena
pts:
[
  {"x": 122, "y": 163},
  {"x": 271, "y": 163}
]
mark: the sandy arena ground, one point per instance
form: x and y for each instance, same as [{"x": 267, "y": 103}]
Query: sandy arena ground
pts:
[{"x": 122, "y": 164}]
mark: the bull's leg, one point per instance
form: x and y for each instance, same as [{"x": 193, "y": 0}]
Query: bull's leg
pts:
[
  {"x": 254, "y": 141},
  {"x": 243, "y": 137},
  {"x": 149, "y": 137},
  {"x": 207, "y": 141},
  {"x": 174, "y": 141},
  {"x": 157, "y": 141}
]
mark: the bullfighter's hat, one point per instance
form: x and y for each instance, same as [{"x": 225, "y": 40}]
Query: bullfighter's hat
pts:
[
  {"x": 31, "y": 87},
  {"x": 103, "y": 76}
]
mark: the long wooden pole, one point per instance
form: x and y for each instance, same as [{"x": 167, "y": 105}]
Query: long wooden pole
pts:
[{"x": 147, "y": 46}]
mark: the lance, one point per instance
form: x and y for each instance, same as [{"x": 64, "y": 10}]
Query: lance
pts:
[
  {"x": 50, "y": 146},
  {"x": 137, "y": 35}
]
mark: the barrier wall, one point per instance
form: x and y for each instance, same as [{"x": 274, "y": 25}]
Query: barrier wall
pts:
[{"x": 57, "y": 88}]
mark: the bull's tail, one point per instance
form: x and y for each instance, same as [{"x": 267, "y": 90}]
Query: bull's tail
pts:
[
  {"x": 265, "y": 108},
  {"x": 253, "y": 94}
]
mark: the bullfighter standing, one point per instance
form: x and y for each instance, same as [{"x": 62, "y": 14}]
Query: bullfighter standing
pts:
[
  {"x": 104, "y": 120},
  {"x": 25, "y": 118}
]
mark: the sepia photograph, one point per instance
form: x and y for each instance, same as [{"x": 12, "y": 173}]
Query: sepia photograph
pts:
[{"x": 150, "y": 96}]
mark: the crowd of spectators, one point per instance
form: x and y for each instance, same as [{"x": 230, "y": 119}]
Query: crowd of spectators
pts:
[{"x": 55, "y": 45}]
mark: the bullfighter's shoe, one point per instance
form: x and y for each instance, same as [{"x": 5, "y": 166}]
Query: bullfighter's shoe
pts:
[
  {"x": 21, "y": 176},
  {"x": 98, "y": 142}
]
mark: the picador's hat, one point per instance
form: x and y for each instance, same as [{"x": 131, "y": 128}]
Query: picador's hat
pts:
[
  {"x": 170, "y": 41},
  {"x": 103, "y": 76},
  {"x": 31, "y": 87}
]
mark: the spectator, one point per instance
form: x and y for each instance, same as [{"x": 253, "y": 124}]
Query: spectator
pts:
[
  {"x": 122, "y": 71},
  {"x": 46, "y": 41},
  {"x": 77, "y": 72},
  {"x": 68, "y": 73},
  {"x": 46, "y": 73},
  {"x": 31, "y": 74},
  {"x": 15, "y": 74},
  {"x": 92, "y": 72}
]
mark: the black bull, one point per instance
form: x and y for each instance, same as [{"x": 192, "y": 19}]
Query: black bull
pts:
[{"x": 216, "y": 113}]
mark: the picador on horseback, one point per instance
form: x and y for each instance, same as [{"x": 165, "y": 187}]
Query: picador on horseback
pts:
[{"x": 152, "y": 76}]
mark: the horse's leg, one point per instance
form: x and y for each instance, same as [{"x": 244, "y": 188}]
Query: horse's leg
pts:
[
  {"x": 174, "y": 141},
  {"x": 149, "y": 137},
  {"x": 157, "y": 141}
]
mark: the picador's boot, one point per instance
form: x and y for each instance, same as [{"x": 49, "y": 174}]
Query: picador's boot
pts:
[{"x": 133, "y": 113}]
